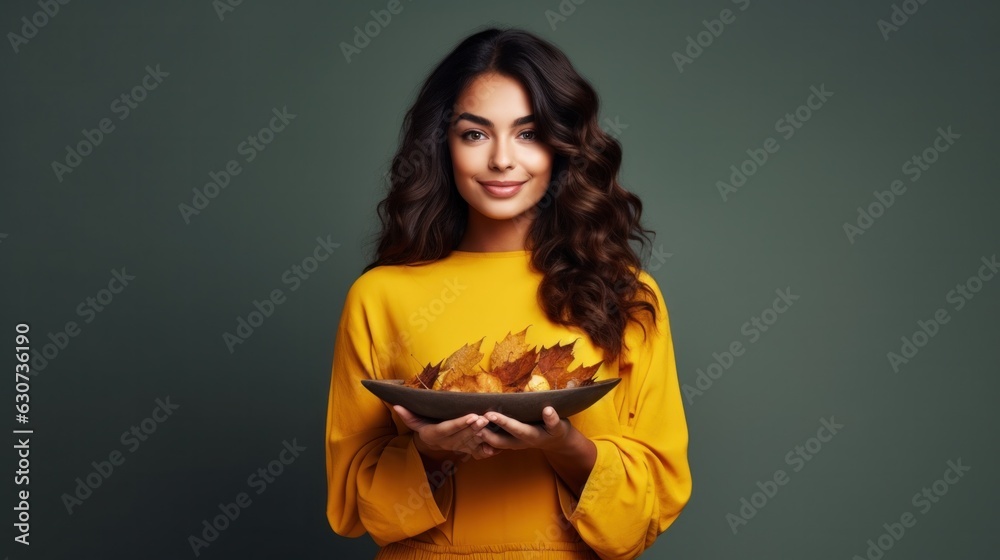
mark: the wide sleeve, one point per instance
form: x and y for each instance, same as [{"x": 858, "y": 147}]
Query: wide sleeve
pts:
[
  {"x": 641, "y": 479},
  {"x": 375, "y": 476}
]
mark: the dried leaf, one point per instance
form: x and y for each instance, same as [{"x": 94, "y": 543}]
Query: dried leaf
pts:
[
  {"x": 426, "y": 378},
  {"x": 553, "y": 364},
  {"x": 579, "y": 377},
  {"x": 512, "y": 347},
  {"x": 465, "y": 359},
  {"x": 443, "y": 378},
  {"x": 514, "y": 366},
  {"x": 513, "y": 360},
  {"x": 517, "y": 372}
]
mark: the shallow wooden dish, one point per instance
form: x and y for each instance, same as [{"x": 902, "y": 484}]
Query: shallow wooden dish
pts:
[{"x": 525, "y": 407}]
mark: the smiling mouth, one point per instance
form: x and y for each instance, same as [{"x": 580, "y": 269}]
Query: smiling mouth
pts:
[
  {"x": 501, "y": 183},
  {"x": 502, "y": 189}
]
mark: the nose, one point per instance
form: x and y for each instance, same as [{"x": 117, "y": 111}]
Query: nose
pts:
[{"x": 500, "y": 157}]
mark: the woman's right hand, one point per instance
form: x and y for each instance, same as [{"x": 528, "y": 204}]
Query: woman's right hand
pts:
[{"x": 453, "y": 440}]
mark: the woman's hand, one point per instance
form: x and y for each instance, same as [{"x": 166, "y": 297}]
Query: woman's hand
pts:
[
  {"x": 553, "y": 435},
  {"x": 571, "y": 454},
  {"x": 453, "y": 440}
]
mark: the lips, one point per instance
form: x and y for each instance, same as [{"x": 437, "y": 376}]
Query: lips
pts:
[{"x": 502, "y": 189}]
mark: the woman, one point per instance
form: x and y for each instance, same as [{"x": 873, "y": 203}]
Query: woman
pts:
[{"x": 505, "y": 215}]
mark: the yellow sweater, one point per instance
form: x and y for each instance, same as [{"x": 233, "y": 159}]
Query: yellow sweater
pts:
[{"x": 394, "y": 321}]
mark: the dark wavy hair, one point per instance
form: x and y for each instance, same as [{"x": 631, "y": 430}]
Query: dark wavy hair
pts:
[{"x": 582, "y": 227}]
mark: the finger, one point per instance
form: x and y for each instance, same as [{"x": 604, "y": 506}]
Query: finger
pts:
[
  {"x": 455, "y": 426},
  {"x": 466, "y": 430},
  {"x": 482, "y": 451},
  {"x": 469, "y": 441},
  {"x": 517, "y": 429},
  {"x": 485, "y": 451},
  {"x": 499, "y": 440},
  {"x": 441, "y": 429},
  {"x": 551, "y": 420},
  {"x": 411, "y": 420}
]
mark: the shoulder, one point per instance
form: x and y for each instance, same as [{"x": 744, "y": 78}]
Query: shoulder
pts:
[
  {"x": 370, "y": 287},
  {"x": 642, "y": 333},
  {"x": 384, "y": 283},
  {"x": 648, "y": 279},
  {"x": 653, "y": 295}
]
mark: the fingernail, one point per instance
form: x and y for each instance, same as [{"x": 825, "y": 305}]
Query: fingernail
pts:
[{"x": 492, "y": 417}]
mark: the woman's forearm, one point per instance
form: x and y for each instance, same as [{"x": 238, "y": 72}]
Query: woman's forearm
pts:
[
  {"x": 574, "y": 461},
  {"x": 437, "y": 464}
]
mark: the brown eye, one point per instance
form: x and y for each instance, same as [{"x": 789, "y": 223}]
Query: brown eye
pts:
[
  {"x": 532, "y": 133},
  {"x": 466, "y": 135}
]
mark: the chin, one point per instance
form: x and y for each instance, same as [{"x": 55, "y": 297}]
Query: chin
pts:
[{"x": 495, "y": 212}]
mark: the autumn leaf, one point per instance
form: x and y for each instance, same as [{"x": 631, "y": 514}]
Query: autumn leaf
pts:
[
  {"x": 465, "y": 359},
  {"x": 512, "y": 360},
  {"x": 558, "y": 357},
  {"x": 426, "y": 378},
  {"x": 443, "y": 378},
  {"x": 579, "y": 377},
  {"x": 553, "y": 364},
  {"x": 514, "y": 367},
  {"x": 517, "y": 373},
  {"x": 511, "y": 347}
]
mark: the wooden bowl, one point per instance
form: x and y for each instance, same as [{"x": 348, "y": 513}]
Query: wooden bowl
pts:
[{"x": 525, "y": 407}]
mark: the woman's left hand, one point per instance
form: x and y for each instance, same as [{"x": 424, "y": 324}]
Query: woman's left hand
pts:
[{"x": 552, "y": 435}]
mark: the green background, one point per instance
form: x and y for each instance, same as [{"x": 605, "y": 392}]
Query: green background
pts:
[{"x": 320, "y": 177}]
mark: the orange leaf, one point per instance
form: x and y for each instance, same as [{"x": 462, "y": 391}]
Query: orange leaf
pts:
[
  {"x": 552, "y": 362},
  {"x": 579, "y": 377},
  {"x": 516, "y": 373}
]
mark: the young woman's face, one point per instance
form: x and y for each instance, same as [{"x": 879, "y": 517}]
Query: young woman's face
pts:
[{"x": 492, "y": 141}]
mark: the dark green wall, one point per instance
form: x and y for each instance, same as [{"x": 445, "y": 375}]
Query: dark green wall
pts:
[{"x": 722, "y": 258}]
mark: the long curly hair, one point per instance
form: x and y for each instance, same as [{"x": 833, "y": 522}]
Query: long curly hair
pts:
[{"x": 582, "y": 227}]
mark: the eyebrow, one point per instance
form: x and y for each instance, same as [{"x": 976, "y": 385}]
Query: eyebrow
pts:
[{"x": 486, "y": 122}]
